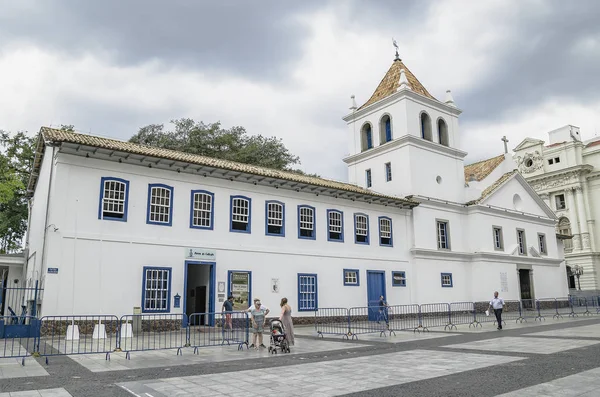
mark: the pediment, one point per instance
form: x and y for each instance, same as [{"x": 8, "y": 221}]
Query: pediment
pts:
[{"x": 528, "y": 142}]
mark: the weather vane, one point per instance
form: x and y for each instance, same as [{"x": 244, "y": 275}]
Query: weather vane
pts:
[{"x": 396, "y": 46}]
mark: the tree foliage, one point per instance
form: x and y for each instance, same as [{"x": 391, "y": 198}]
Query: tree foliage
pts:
[
  {"x": 16, "y": 160},
  {"x": 211, "y": 140}
]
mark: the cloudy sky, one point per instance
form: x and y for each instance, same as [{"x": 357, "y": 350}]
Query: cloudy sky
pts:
[{"x": 287, "y": 68}]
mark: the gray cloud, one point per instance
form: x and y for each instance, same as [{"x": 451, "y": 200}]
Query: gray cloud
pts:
[{"x": 234, "y": 36}]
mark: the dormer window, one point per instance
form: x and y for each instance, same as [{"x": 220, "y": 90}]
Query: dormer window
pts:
[
  {"x": 366, "y": 137},
  {"x": 426, "y": 127},
  {"x": 442, "y": 132},
  {"x": 385, "y": 129}
]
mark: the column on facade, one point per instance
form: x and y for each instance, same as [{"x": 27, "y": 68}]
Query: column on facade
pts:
[
  {"x": 573, "y": 219},
  {"x": 583, "y": 226},
  {"x": 588, "y": 213}
]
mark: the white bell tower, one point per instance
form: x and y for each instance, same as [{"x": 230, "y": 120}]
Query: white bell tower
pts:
[{"x": 404, "y": 142}]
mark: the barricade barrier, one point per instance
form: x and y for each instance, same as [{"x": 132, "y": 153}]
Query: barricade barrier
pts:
[
  {"x": 140, "y": 332},
  {"x": 564, "y": 307},
  {"x": 580, "y": 307},
  {"x": 367, "y": 320},
  {"x": 462, "y": 313},
  {"x": 530, "y": 308},
  {"x": 547, "y": 307},
  {"x": 510, "y": 312},
  {"x": 332, "y": 321},
  {"x": 18, "y": 338},
  {"x": 436, "y": 315},
  {"x": 217, "y": 329},
  {"x": 66, "y": 335},
  {"x": 404, "y": 317}
]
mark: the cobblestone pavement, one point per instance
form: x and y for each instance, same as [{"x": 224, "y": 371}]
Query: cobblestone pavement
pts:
[{"x": 551, "y": 358}]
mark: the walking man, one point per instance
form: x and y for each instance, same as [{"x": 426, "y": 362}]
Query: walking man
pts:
[{"x": 497, "y": 304}]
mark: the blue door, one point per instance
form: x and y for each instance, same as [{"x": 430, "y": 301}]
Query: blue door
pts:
[{"x": 375, "y": 288}]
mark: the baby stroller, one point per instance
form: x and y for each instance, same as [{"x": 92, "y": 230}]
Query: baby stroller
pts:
[{"x": 278, "y": 338}]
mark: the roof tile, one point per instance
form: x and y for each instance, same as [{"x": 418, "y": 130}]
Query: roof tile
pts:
[{"x": 482, "y": 169}]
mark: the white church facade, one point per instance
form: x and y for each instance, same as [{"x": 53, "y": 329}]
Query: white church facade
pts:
[
  {"x": 566, "y": 174},
  {"x": 116, "y": 226}
]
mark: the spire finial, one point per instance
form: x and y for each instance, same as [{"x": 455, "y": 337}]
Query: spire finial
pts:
[
  {"x": 396, "y": 46},
  {"x": 404, "y": 85},
  {"x": 449, "y": 99},
  {"x": 353, "y": 106}
]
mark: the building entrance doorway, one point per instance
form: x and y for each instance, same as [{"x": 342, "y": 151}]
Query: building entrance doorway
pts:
[
  {"x": 199, "y": 292},
  {"x": 525, "y": 285},
  {"x": 375, "y": 289}
]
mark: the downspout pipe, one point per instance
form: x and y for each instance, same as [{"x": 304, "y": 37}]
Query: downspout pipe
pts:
[{"x": 42, "y": 261}]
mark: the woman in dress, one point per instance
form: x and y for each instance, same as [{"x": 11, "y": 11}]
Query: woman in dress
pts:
[{"x": 286, "y": 319}]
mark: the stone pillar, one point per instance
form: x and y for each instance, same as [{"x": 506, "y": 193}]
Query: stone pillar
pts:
[
  {"x": 583, "y": 226},
  {"x": 588, "y": 213},
  {"x": 571, "y": 210}
]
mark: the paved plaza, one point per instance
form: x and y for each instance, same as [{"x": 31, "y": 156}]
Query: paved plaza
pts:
[{"x": 557, "y": 357}]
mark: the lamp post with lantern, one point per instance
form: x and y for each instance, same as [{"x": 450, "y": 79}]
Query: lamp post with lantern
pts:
[{"x": 577, "y": 271}]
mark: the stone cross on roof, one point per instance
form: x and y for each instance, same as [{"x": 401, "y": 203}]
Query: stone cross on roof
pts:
[{"x": 505, "y": 143}]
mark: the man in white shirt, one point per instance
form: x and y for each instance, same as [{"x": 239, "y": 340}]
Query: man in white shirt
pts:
[{"x": 497, "y": 304}]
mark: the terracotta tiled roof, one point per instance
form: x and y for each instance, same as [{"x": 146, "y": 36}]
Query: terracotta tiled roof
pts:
[
  {"x": 482, "y": 169},
  {"x": 595, "y": 143},
  {"x": 55, "y": 136},
  {"x": 391, "y": 81},
  {"x": 492, "y": 188}
]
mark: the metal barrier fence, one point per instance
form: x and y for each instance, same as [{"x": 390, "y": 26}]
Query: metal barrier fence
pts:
[
  {"x": 18, "y": 339},
  {"x": 435, "y": 315},
  {"x": 140, "y": 332},
  {"x": 332, "y": 321},
  {"x": 404, "y": 317},
  {"x": 366, "y": 320},
  {"x": 462, "y": 313},
  {"x": 233, "y": 328},
  {"x": 68, "y": 335}
]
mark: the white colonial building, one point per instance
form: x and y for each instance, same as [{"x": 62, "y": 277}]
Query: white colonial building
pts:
[
  {"x": 115, "y": 225},
  {"x": 566, "y": 174}
]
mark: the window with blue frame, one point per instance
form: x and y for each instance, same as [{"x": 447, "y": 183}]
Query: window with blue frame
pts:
[
  {"x": 368, "y": 178},
  {"x": 275, "y": 218},
  {"x": 361, "y": 229},
  {"x": 202, "y": 210},
  {"x": 240, "y": 220},
  {"x": 447, "y": 280},
  {"x": 156, "y": 290},
  {"x": 335, "y": 224},
  {"x": 366, "y": 137},
  {"x": 388, "y": 172},
  {"x": 385, "y": 231},
  {"x": 160, "y": 205},
  {"x": 388, "y": 129},
  {"x": 385, "y": 129},
  {"x": 351, "y": 277},
  {"x": 306, "y": 222},
  {"x": 114, "y": 199},
  {"x": 398, "y": 279},
  {"x": 308, "y": 293}
]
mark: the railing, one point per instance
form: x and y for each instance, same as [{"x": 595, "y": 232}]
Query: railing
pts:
[
  {"x": 332, "y": 321},
  {"x": 18, "y": 340},
  {"x": 233, "y": 328}
]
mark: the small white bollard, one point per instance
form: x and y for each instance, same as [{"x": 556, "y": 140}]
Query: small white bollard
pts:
[
  {"x": 72, "y": 332},
  {"x": 126, "y": 331},
  {"x": 99, "y": 331}
]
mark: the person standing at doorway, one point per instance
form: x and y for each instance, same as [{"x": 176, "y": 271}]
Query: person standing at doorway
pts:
[
  {"x": 258, "y": 318},
  {"x": 497, "y": 304},
  {"x": 228, "y": 309}
]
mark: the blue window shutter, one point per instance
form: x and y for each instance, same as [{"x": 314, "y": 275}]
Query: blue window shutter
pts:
[
  {"x": 388, "y": 130},
  {"x": 369, "y": 138}
]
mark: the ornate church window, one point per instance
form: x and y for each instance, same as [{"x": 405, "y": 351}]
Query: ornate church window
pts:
[
  {"x": 366, "y": 137},
  {"x": 385, "y": 129},
  {"x": 442, "y": 132},
  {"x": 426, "y": 127},
  {"x": 559, "y": 200}
]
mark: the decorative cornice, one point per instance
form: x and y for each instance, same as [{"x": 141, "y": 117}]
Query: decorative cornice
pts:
[
  {"x": 558, "y": 179},
  {"x": 421, "y": 253},
  {"x": 404, "y": 141}
]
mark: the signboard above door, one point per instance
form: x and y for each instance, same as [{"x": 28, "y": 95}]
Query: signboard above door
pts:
[{"x": 200, "y": 253}]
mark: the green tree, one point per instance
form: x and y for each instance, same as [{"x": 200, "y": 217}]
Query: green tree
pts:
[
  {"x": 211, "y": 140},
  {"x": 16, "y": 160}
]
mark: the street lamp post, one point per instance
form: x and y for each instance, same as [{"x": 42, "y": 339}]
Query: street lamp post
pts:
[{"x": 577, "y": 271}]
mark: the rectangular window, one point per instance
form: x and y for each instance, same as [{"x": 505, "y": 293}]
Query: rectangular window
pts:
[
  {"x": 521, "y": 241},
  {"x": 335, "y": 221},
  {"x": 114, "y": 197},
  {"x": 550, "y": 161},
  {"x": 542, "y": 243},
  {"x": 447, "y": 280},
  {"x": 498, "y": 239},
  {"x": 557, "y": 160},
  {"x": 385, "y": 231},
  {"x": 388, "y": 172},
  {"x": 559, "y": 200},
  {"x": 361, "y": 229},
  {"x": 351, "y": 277},
  {"x": 156, "y": 290},
  {"x": 240, "y": 214},
  {"x": 202, "y": 210},
  {"x": 306, "y": 222},
  {"x": 307, "y": 292},
  {"x": 275, "y": 213},
  {"x": 443, "y": 239},
  {"x": 160, "y": 205},
  {"x": 368, "y": 178},
  {"x": 398, "y": 279}
]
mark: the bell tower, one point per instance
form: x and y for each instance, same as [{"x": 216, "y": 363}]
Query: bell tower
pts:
[{"x": 403, "y": 141}]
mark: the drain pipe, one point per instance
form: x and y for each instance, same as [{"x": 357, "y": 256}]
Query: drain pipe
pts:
[{"x": 47, "y": 211}]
